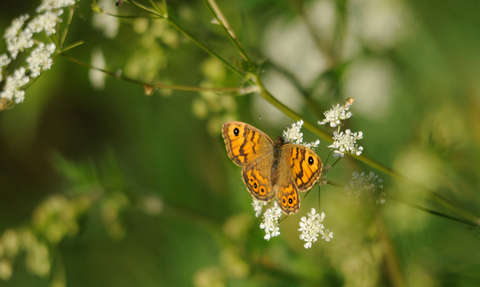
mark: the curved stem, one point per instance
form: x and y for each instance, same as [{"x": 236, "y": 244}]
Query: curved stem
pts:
[
  {"x": 217, "y": 13},
  {"x": 156, "y": 85}
]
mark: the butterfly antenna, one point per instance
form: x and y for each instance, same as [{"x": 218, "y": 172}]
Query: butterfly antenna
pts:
[{"x": 260, "y": 117}]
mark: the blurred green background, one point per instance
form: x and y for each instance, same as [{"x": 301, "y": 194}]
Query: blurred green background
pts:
[{"x": 182, "y": 216}]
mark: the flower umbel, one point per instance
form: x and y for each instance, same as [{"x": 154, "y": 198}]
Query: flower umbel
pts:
[
  {"x": 270, "y": 221},
  {"x": 45, "y": 22},
  {"x": 362, "y": 184},
  {"x": 337, "y": 114},
  {"x": 294, "y": 135},
  {"x": 312, "y": 227},
  {"x": 13, "y": 84},
  {"x": 346, "y": 142},
  {"x": 40, "y": 59},
  {"x": 258, "y": 206},
  {"x": 48, "y": 5}
]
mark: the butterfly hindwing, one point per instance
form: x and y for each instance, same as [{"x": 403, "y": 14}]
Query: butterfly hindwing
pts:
[
  {"x": 244, "y": 142},
  {"x": 256, "y": 176}
]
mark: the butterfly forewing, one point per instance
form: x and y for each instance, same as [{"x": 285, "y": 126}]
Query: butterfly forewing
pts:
[
  {"x": 304, "y": 164},
  {"x": 245, "y": 143}
]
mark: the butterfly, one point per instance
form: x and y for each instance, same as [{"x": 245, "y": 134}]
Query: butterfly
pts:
[{"x": 271, "y": 168}]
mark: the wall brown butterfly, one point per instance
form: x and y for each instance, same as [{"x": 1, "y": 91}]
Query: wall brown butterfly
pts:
[{"x": 272, "y": 168}]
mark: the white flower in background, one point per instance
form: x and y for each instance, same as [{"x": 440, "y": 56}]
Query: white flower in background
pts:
[
  {"x": 270, "y": 221},
  {"x": 346, "y": 142},
  {"x": 327, "y": 235},
  {"x": 108, "y": 24},
  {"x": 10, "y": 242},
  {"x": 97, "y": 78},
  {"x": 258, "y": 207},
  {"x": 361, "y": 184},
  {"x": 337, "y": 114},
  {"x": 38, "y": 258},
  {"x": 294, "y": 135},
  {"x": 17, "y": 24},
  {"x": 12, "y": 90},
  {"x": 40, "y": 59},
  {"x": 48, "y": 5},
  {"x": 6, "y": 269},
  {"x": 4, "y": 61},
  {"x": 20, "y": 43},
  {"x": 45, "y": 22},
  {"x": 16, "y": 39},
  {"x": 312, "y": 227}
]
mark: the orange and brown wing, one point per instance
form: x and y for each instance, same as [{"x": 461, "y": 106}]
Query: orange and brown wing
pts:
[
  {"x": 304, "y": 164},
  {"x": 287, "y": 196},
  {"x": 256, "y": 176},
  {"x": 245, "y": 143}
]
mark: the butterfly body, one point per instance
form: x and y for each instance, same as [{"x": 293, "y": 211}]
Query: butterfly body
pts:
[{"x": 271, "y": 168}]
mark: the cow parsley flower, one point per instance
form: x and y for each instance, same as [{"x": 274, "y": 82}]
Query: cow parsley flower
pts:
[
  {"x": 17, "y": 24},
  {"x": 370, "y": 184},
  {"x": 337, "y": 114},
  {"x": 270, "y": 221},
  {"x": 48, "y": 5},
  {"x": 258, "y": 206},
  {"x": 20, "y": 43},
  {"x": 97, "y": 78},
  {"x": 327, "y": 235},
  {"x": 13, "y": 83},
  {"x": 346, "y": 142},
  {"x": 105, "y": 22},
  {"x": 4, "y": 61},
  {"x": 294, "y": 135},
  {"x": 45, "y": 22},
  {"x": 312, "y": 227},
  {"x": 40, "y": 59}
]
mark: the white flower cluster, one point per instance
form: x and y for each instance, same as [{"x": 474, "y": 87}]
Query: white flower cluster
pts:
[
  {"x": 18, "y": 40},
  {"x": 14, "y": 242},
  {"x": 19, "y": 37},
  {"x": 13, "y": 84},
  {"x": 4, "y": 61},
  {"x": 45, "y": 22},
  {"x": 362, "y": 184},
  {"x": 346, "y": 142},
  {"x": 337, "y": 114},
  {"x": 312, "y": 227},
  {"x": 40, "y": 59},
  {"x": 108, "y": 24},
  {"x": 48, "y": 5},
  {"x": 294, "y": 135},
  {"x": 270, "y": 221},
  {"x": 258, "y": 206}
]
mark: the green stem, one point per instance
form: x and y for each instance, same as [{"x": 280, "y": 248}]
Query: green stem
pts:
[
  {"x": 67, "y": 26},
  {"x": 433, "y": 212},
  {"x": 156, "y": 85},
  {"x": 217, "y": 13},
  {"x": 205, "y": 48},
  {"x": 146, "y": 8}
]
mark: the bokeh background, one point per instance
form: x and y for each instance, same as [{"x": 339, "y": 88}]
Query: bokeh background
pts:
[{"x": 157, "y": 201}]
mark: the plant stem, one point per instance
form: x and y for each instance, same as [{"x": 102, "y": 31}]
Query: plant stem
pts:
[{"x": 157, "y": 85}]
